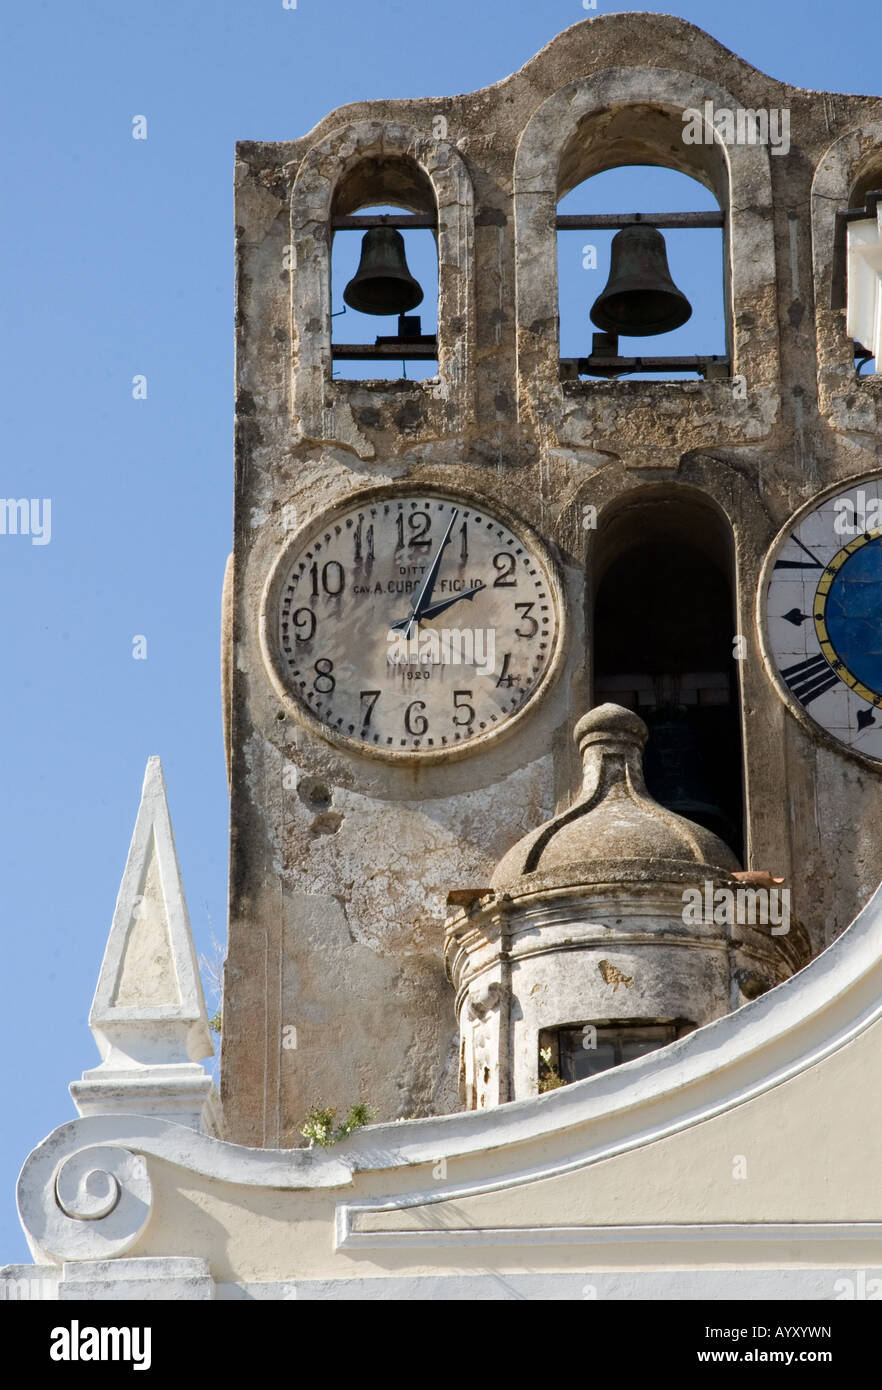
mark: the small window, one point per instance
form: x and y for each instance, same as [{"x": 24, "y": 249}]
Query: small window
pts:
[{"x": 579, "y": 1050}]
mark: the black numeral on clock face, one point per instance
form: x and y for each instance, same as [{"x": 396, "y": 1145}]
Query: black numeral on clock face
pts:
[
  {"x": 461, "y": 704},
  {"x": 364, "y": 542},
  {"x": 332, "y": 578},
  {"x": 811, "y": 678},
  {"x": 415, "y": 722},
  {"x": 419, "y": 524},
  {"x": 304, "y": 621},
  {"x": 505, "y": 566},
  {"x": 368, "y": 699},
  {"x": 532, "y": 626},
  {"x": 810, "y": 563},
  {"x": 324, "y": 682},
  {"x": 506, "y": 679}
]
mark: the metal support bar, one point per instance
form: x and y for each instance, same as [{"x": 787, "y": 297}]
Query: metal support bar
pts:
[
  {"x": 607, "y": 220},
  {"x": 402, "y": 350},
  {"x": 574, "y": 367},
  {"x": 565, "y": 222},
  {"x": 361, "y": 222}
]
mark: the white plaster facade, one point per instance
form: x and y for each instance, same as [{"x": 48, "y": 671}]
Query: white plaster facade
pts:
[{"x": 623, "y": 1186}]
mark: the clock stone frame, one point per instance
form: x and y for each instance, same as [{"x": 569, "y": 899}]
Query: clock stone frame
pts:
[
  {"x": 772, "y": 648},
  {"x": 274, "y": 589}
]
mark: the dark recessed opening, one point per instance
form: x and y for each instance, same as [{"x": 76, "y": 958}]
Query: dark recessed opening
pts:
[
  {"x": 576, "y": 1051},
  {"x": 665, "y": 646}
]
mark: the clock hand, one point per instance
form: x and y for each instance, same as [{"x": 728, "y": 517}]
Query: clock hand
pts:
[
  {"x": 424, "y": 593},
  {"x": 435, "y": 608}
]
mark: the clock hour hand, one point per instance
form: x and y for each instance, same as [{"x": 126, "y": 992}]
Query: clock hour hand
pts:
[
  {"x": 423, "y": 595},
  {"x": 435, "y": 608}
]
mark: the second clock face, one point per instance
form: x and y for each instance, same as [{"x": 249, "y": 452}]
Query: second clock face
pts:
[
  {"x": 824, "y": 615},
  {"x": 413, "y": 624}
]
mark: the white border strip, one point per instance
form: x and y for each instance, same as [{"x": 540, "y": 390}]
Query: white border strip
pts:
[{"x": 348, "y": 1236}]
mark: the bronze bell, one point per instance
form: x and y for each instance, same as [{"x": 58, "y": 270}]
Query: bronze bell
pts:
[
  {"x": 639, "y": 298},
  {"x": 383, "y": 284}
]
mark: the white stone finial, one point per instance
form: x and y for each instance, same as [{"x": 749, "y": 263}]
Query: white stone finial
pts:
[{"x": 148, "y": 1015}]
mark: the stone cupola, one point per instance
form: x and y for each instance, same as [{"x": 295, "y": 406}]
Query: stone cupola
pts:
[
  {"x": 614, "y": 828},
  {"x": 606, "y": 933}
]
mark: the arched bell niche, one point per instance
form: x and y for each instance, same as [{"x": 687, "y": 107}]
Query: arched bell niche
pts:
[
  {"x": 357, "y": 166},
  {"x": 695, "y": 256},
  {"x": 385, "y": 187},
  {"x": 636, "y": 117}
]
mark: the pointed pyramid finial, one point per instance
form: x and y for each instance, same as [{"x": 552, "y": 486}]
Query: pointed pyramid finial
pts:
[{"x": 148, "y": 1015}]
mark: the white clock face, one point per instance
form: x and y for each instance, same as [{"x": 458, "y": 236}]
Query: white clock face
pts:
[
  {"x": 824, "y": 615},
  {"x": 413, "y": 624}
]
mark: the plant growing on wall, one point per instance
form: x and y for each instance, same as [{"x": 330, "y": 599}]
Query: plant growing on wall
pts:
[
  {"x": 318, "y": 1127},
  {"x": 549, "y": 1077}
]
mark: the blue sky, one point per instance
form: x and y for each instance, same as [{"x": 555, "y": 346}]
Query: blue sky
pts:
[{"x": 118, "y": 261}]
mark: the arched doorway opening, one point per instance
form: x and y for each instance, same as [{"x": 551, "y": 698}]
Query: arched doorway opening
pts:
[{"x": 664, "y": 644}]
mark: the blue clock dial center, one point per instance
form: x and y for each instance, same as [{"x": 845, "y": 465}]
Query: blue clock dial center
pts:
[{"x": 851, "y": 612}]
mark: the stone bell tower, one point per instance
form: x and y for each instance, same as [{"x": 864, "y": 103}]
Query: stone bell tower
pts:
[
  {"x": 553, "y": 706},
  {"x": 435, "y": 576}
]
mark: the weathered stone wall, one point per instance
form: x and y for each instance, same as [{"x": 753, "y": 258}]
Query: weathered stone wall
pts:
[{"x": 340, "y": 865}]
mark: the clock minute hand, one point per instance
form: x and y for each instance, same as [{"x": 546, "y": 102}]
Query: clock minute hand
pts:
[
  {"x": 424, "y": 593},
  {"x": 435, "y": 608}
]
